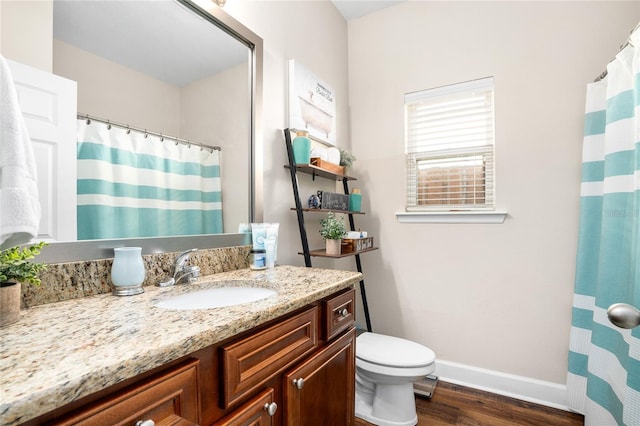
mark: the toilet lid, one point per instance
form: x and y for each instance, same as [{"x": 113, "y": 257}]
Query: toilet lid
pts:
[{"x": 392, "y": 351}]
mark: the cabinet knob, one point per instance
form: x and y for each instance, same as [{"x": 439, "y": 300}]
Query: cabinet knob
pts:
[
  {"x": 271, "y": 408},
  {"x": 344, "y": 312},
  {"x": 148, "y": 422},
  {"x": 299, "y": 383}
]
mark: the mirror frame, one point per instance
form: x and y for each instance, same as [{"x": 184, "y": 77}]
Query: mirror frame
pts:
[{"x": 103, "y": 249}]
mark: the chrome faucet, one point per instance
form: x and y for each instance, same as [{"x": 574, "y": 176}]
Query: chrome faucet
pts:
[{"x": 181, "y": 272}]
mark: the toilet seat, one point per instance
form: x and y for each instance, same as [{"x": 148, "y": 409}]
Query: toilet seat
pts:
[{"x": 393, "y": 352}]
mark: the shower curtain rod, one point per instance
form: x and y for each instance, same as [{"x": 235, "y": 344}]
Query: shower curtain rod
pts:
[
  {"x": 162, "y": 137},
  {"x": 627, "y": 43}
]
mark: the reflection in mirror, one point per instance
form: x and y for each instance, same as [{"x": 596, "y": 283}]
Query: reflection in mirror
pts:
[
  {"x": 167, "y": 80},
  {"x": 241, "y": 148}
]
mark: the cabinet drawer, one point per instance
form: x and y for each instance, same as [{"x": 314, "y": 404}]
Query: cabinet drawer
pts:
[
  {"x": 250, "y": 362},
  {"x": 168, "y": 398},
  {"x": 339, "y": 313},
  {"x": 258, "y": 411}
]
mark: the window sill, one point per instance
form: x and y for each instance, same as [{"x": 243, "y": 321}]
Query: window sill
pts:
[{"x": 452, "y": 217}]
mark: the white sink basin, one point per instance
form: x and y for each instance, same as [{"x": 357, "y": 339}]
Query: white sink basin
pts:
[{"x": 217, "y": 297}]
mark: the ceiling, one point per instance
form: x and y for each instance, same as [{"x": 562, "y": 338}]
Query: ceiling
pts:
[
  {"x": 352, "y": 9},
  {"x": 159, "y": 38}
]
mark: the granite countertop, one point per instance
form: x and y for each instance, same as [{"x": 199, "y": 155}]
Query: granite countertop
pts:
[{"x": 60, "y": 352}]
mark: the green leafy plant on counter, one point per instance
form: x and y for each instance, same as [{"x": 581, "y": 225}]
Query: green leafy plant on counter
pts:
[{"x": 15, "y": 264}]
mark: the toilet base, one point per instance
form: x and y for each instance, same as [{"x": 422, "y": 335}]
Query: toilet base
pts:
[{"x": 395, "y": 403}]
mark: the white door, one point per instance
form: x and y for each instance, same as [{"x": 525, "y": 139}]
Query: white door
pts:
[{"x": 49, "y": 105}]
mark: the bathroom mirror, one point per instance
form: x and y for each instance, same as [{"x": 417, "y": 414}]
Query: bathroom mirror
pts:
[{"x": 183, "y": 40}]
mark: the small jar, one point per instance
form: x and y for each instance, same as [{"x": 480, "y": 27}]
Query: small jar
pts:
[
  {"x": 355, "y": 200},
  {"x": 258, "y": 259},
  {"x": 302, "y": 147}
]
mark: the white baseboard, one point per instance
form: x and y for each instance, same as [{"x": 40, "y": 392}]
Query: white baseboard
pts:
[{"x": 524, "y": 388}]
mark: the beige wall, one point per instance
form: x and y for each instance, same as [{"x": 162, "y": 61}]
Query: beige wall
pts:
[
  {"x": 112, "y": 91},
  {"x": 26, "y": 28},
  {"x": 491, "y": 296}
]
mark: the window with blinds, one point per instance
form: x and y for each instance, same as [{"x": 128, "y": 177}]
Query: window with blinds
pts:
[{"x": 449, "y": 139}]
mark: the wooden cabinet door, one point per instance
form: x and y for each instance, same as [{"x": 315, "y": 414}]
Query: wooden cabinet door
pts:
[
  {"x": 258, "y": 411},
  {"x": 321, "y": 391}
]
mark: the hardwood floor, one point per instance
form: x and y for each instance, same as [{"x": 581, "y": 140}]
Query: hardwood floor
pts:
[{"x": 459, "y": 405}]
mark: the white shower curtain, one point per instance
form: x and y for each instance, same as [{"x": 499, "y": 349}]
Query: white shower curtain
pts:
[
  {"x": 135, "y": 185},
  {"x": 604, "y": 361}
]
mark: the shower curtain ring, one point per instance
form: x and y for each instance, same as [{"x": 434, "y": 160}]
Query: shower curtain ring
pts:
[
  {"x": 108, "y": 125},
  {"x": 128, "y": 129},
  {"x": 145, "y": 133},
  {"x": 88, "y": 120}
]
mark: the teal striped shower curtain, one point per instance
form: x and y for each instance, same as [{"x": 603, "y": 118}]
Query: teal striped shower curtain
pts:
[
  {"x": 604, "y": 361},
  {"x": 132, "y": 185}
]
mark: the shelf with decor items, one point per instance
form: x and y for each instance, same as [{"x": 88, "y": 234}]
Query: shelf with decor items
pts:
[
  {"x": 323, "y": 253},
  {"x": 316, "y": 171},
  {"x": 305, "y": 209}
]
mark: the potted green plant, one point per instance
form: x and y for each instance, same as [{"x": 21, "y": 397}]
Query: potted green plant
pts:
[
  {"x": 15, "y": 268},
  {"x": 346, "y": 158},
  {"x": 332, "y": 230}
]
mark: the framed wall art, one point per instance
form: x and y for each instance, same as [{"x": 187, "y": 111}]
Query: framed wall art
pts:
[{"x": 312, "y": 104}]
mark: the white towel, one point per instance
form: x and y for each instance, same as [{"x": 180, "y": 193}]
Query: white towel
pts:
[{"x": 19, "y": 202}]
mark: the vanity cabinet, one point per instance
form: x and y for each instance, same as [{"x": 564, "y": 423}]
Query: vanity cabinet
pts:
[
  {"x": 311, "y": 354},
  {"x": 296, "y": 370}
]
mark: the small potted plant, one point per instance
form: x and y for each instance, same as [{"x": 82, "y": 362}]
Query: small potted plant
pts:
[
  {"x": 16, "y": 268},
  {"x": 346, "y": 158},
  {"x": 332, "y": 230}
]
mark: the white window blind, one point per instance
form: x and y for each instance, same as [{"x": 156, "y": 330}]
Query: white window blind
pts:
[{"x": 449, "y": 139}]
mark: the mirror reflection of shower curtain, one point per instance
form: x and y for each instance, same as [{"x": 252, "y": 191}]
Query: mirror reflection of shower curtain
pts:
[{"x": 131, "y": 186}]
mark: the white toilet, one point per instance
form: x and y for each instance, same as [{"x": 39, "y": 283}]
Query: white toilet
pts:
[{"x": 386, "y": 368}]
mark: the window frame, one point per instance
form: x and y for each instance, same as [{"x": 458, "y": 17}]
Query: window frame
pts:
[{"x": 415, "y": 152}]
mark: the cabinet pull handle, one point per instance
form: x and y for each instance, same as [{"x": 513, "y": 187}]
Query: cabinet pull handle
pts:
[
  {"x": 148, "y": 422},
  {"x": 271, "y": 408},
  {"x": 299, "y": 383},
  {"x": 344, "y": 312}
]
